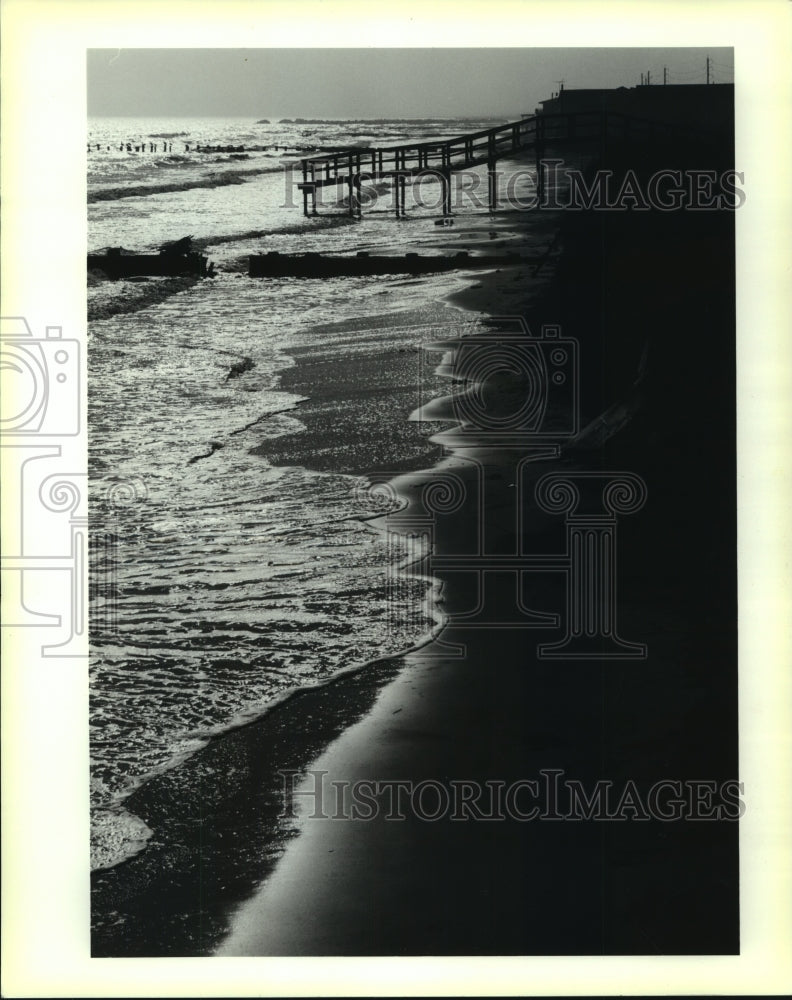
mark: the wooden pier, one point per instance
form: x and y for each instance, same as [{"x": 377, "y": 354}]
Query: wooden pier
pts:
[{"x": 350, "y": 168}]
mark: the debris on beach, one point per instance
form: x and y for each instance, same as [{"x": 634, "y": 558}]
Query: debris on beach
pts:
[{"x": 174, "y": 258}]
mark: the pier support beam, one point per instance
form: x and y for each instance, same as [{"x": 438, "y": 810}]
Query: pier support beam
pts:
[
  {"x": 358, "y": 201},
  {"x": 350, "y": 186},
  {"x": 313, "y": 187},
  {"x": 445, "y": 179},
  {"x": 400, "y": 194},
  {"x": 492, "y": 185},
  {"x": 309, "y": 193},
  {"x": 351, "y": 194},
  {"x": 304, "y": 187}
]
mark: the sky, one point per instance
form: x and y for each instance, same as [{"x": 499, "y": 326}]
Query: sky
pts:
[{"x": 371, "y": 82}]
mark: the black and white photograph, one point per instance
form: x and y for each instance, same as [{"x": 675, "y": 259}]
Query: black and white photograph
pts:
[
  {"x": 403, "y": 567},
  {"x": 407, "y": 637}
]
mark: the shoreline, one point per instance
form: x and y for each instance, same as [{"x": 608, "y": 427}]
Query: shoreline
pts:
[
  {"x": 301, "y": 453},
  {"x": 321, "y": 917},
  {"x": 118, "y": 887},
  {"x": 671, "y": 889}
]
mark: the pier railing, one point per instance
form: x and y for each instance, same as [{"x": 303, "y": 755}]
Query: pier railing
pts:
[{"x": 351, "y": 166}]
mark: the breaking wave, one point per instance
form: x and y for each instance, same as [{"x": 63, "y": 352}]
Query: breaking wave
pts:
[{"x": 213, "y": 181}]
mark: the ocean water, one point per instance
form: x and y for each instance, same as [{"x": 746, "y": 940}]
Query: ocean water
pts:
[{"x": 220, "y": 582}]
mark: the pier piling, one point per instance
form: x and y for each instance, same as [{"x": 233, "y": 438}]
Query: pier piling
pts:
[
  {"x": 445, "y": 176},
  {"x": 492, "y": 186}
]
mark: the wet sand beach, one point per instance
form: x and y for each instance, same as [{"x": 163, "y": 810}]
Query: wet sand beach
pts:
[
  {"x": 349, "y": 396},
  {"x": 498, "y": 714},
  {"x": 448, "y": 883},
  {"x": 649, "y": 299}
]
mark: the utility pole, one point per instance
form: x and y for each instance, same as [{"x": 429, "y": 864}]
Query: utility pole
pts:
[
  {"x": 642, "y": 79},
  {"x": 665, "y": 75},
  {"x": 708, "y": 69},
  {"x": 648, "y": 79}
]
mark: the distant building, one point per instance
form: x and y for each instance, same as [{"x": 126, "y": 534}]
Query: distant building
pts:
[{"x": 708, "y": 105}]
